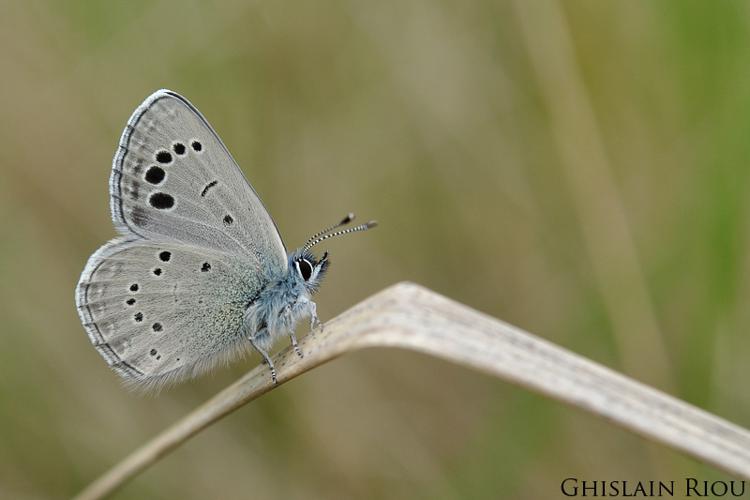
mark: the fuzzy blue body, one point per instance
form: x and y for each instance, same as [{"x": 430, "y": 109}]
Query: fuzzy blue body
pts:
[{"x": 286, "y": 300}]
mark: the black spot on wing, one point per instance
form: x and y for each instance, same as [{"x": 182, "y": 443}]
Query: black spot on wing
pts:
[
  {"x": 161, "y": 201},
  {"x": 208, "y": 186},
  {"x": 164, "y": 157},
  {"x": 155, "y": 174}
]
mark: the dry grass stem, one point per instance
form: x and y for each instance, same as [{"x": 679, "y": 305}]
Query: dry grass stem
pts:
[{"x": 411, "y": 317}]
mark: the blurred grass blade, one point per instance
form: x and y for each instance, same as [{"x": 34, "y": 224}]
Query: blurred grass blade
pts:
[
  {"x": 412, "y": 317},
  {"x": 589, "y": 175}
]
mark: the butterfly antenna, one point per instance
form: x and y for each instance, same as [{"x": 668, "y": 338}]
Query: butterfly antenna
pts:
[
  {"x": 346, "y": 220},
  {"x": 362, "y": 227}
]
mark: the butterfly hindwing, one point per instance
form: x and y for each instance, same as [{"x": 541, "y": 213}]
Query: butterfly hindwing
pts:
[
  {"x": 162, "y": 311},
  {"x": 173, "y": 178}
]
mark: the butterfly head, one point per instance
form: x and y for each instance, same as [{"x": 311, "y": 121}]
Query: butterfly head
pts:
[{"x": 305, "y": 268}]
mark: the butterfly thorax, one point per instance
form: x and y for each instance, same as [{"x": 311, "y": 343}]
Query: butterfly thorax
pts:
[{"x": 285, "y": 300}]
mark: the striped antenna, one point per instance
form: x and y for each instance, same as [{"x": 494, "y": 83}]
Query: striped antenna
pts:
[
  {"x": 346, "y": 220},
  {"x": 362, "y": 227}
]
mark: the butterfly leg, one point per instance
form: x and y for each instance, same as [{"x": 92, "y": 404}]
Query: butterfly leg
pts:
[
  {"x": 266, "y": 359},
  {"x": 297, "y": 349},
  {"x": 287, "y": 317},
  {"x": 314, "y": 321}
]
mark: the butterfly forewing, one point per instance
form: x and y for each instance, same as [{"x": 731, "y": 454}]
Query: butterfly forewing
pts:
[{"x": 173, "y": 178}]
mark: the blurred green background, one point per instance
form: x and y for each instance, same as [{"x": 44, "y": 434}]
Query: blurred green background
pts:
[{"x": 578, "y": 169}]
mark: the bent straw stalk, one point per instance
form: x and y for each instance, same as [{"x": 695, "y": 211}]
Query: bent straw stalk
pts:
[{"x": 412, "y": 317}]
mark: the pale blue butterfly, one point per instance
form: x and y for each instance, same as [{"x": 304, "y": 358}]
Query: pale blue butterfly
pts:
[{"x": 200, "y": 271}]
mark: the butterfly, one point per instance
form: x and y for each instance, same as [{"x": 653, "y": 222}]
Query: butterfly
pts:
[{"x": 199, "y": 272}]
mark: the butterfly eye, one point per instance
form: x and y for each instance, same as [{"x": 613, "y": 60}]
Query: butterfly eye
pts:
[{"x": 304, "y": 268}]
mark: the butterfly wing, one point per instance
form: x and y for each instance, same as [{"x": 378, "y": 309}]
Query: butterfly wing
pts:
[
  {"x": 166, "y": 300},
  {"x": 173, "y": 178},
  {"x": 163, "y": 311}
]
